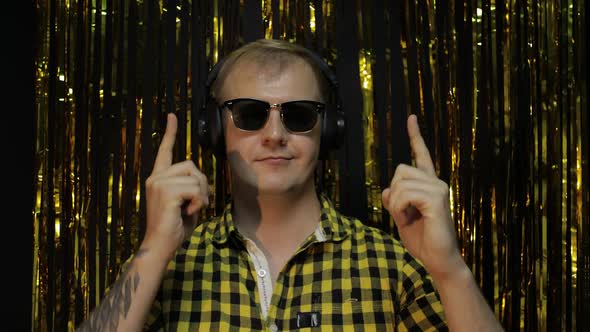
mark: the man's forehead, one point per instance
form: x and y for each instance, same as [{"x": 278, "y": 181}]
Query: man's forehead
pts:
[
  {"x": 296, "y": 75},
  {"x": 266, "y": 68}
]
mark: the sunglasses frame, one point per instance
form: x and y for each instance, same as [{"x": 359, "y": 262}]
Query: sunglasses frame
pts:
[{"x": 320, "y": 107}]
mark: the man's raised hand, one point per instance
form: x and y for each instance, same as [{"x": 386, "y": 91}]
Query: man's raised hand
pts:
[
  {"x": 175, "y": 193},
  {"x": 419, "y": 203}
]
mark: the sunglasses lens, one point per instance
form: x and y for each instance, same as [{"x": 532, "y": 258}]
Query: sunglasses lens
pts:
[
  {"x": 300, "y": 116},
  {"x": 249, "y": 114}
]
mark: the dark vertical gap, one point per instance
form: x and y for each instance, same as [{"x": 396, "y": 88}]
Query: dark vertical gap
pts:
[
  {"x": 198, "y": 72},
  {"x": 501, "y": 162},
  {"x": 65, "y": 184},
  {"x": 161, "y": 83},
  {"x": 80, "y": 147},
  {"x": 22, "y": 290},
  {"x": 536, "y": 220},
  {"x": 298, "y": 21},
  {"x": 319, "y": 28},
  {"x": 101, "y": 148},
  {"x": 442, "y": 58},
  {"x": 170, "y": 76},
  {"x": 400, "y": 142},
  {"x": 116, "y": 124},
  {"x": 220, "y": 183},
  {"x": 60, "y": 162},
  {"x": 252, "y": 20},
  {"x": 150, "y": 69},
  {"x": 217, "y": 163},
  {"x": 56, "y": 180},
  {"x": 352, "y": 167},
  {"x": 547, "y": 172},
  {"x": 232, "y": 30},
  {"x": 64, "y": 238},
  {"x": 566, "y": 120},
  {"x": 520, "y": 130},
  {"x": 276, "y": 26},
  {"x": 582, "y": 51},
  {"x": 291, "y": 19},
  {"x": 380, "y": 100},
  {"x": 477, "y": 189},
  {"x": 512, "y": 264},
  {"x": 130, "y": 127},
  {"x": 484, "y": 143},
  {"x": 170, "y": 41},
  {"x": 413, "y": 85},
  {"x": 183, "y": 79},
  {"x": 31, "y": 133},
  {"x": 284, "y": 20},
  {"x": 428, "y": 124},
  {"x": 412, "y": 60},
  {"x": 465, "y": 99},
  {"x": 51, "y": 121},
  {"x": 554, "y": 215},
  {"x": 318, "y": 46},
  {"x": 106, "y": 143},
  {"x": 96, "y": 174},
  {"x": 203, "y": 32},
  {"x": 554, "y": 260}
]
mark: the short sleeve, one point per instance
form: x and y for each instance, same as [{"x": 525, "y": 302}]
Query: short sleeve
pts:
[{"x": 420, "y": 308}]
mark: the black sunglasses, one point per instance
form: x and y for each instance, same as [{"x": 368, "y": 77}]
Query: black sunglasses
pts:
[{"x": 298, "y": 116}]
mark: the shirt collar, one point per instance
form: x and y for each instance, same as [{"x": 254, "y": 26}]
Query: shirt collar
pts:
[{"x": 331, "y": 223}]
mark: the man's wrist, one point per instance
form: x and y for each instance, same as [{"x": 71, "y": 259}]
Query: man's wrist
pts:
[
  {"x": 151, "y": 254},
  {"x": 457, "y": 272}
]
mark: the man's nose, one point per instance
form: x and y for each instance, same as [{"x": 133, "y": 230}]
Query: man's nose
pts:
[{"x": 274, "y": 132}]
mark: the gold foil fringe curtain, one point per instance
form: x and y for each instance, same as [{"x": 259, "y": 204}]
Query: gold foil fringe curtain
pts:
[{"x": 501, "y": 90}]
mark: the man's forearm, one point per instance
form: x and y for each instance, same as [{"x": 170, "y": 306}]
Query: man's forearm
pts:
[
  {"x": 464, "y": 305},
  {"x": 130, "y": 298}
]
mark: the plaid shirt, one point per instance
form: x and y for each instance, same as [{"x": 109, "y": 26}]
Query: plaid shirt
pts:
[{"x": 346, "y": 276}]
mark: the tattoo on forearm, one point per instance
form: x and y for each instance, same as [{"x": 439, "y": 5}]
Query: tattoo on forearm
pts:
[{"x": 116, "y": 304}]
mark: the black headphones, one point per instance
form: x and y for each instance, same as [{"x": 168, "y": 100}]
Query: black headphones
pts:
[{"x": 210, "y": 125}]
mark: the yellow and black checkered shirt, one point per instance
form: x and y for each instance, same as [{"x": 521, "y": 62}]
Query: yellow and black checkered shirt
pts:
[{"x": 346, "y": 277}]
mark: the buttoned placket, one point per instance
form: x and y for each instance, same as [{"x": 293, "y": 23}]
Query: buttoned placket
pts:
[{"x": 263, "y": 275}]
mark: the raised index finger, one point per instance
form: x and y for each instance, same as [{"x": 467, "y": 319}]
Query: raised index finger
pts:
[
  {"x": 419, "y": 149},
  {"x": 165, "y": 151}
]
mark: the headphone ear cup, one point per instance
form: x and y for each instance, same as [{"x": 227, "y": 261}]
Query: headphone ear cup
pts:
[
  {"x": 216, "y": 128},
  {"x": 210, "y": 128},
  {"x": 328, "y": 132},
  {"x": 333, "y": 130}
]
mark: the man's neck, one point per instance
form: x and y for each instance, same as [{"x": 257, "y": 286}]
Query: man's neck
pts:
[
  {"x": 276, "y": 222},
  {"x": 289, "y": 212}
]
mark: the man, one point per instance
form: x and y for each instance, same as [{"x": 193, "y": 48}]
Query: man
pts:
[{"x": 281, "y": 257}]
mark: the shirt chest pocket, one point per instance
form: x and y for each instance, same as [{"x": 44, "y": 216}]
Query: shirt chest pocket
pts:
[{"x": 362, "y": 310}]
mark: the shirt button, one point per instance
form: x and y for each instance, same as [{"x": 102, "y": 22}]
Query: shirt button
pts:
[
  {"x": 262, "y": 273},
  {"x": 274, "y": 327}
]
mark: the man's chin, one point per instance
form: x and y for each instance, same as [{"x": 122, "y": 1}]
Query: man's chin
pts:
[
  {"x": 272, "y": 185},
  {"x": 275, "y": 189}
]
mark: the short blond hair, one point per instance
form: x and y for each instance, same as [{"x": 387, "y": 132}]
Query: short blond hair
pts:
[{"x": 271, "y": 52}]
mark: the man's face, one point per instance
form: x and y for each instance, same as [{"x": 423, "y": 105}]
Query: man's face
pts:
[{"x": 271, "y": 160}]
